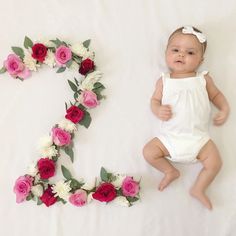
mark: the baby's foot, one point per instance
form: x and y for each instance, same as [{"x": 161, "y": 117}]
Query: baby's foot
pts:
[
  {"x": 201, "y": 197},
  {"x": 168, "y": 178}
]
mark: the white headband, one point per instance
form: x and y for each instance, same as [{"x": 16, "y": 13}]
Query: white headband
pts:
[{"x": 189, "y": 30}]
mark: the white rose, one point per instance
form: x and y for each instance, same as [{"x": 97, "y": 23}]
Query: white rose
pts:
[
  {"x": 49, "y": 151},
  {"x": 122, "y": 201},
  {"x": 45, "y": 142},
  {"x": 32, "y": 169},
  {"x": 61, "y": 189},
  {"x": 90, "y": 80},
  {"x": 50, "y": 59},
  {"x": 88, "y": 186},
  {"x": 67, "y": 125},
  {"x": 37, "y": 190},
  {"x": 118, "y": 182},
  {"x": 79, "y": 49},
  {"x": 90, "y": 197},
  {"x": 30, "y": 62}
]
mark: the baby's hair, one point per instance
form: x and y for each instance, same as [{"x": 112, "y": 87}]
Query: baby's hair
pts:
[{"x": 179, "y": 30}]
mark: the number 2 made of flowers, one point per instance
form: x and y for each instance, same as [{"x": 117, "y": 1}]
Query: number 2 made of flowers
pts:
[{"x": 36, "y": 184}]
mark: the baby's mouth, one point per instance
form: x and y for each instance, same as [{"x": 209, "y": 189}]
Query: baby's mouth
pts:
[{"x": 179, "y": 62}]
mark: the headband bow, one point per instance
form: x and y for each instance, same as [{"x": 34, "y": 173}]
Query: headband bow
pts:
[{"x": 189, "y": 30}]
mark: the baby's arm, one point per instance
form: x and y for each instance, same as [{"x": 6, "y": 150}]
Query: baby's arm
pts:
[
  {"x": 219, "y": 100},
  {"x": 163, "y": 112}
]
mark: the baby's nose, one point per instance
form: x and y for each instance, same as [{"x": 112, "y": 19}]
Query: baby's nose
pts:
[{"x": 181, "y": 54}]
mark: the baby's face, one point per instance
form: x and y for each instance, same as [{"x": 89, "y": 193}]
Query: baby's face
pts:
[{"x": 184, "y": 54}]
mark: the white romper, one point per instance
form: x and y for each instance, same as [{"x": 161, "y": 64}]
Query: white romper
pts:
[{"x": 187, "y": 131}]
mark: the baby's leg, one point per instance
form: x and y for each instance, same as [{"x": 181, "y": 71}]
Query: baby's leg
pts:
[
  {"x": 154, "y": 152},
  {"x": 210, "y": 158}
]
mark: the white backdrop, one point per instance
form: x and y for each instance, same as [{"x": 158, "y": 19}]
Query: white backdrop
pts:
[{"x": 129, "y": 38}]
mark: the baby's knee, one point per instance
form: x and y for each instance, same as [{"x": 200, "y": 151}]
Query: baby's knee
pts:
[
  {"x": 217, "y": 165},
  {"x": 150, "y": 153}
]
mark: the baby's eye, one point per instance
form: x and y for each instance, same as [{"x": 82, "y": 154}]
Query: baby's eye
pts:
[
  {"x": 191, "y": 53},
  {"x": 175, "y": 50}
]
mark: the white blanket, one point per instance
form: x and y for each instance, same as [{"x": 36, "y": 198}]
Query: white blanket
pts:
[{"x": 129, "y": 38}]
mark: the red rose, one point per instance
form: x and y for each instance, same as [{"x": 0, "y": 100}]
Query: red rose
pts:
[
  {"x": 48, "y": 197},
  {"x": 105, "y": 192},
  {"x": 74, "y": 114},
  {"x": 46, "y": 168},
  {"x": 39, "y": 52},
  {"x": 86, "y": 66}
]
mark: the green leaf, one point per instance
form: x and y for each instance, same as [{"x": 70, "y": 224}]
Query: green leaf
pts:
[
  {"x": 3, "y": 70},
  {"x": 76, "y": 81},
  {"x": 61, "y": 69},
  {"x": 18, "y": 51},
  {"x": 69, "y": 63},
  {"x": 132, "y": 199},
  {"x": 72, "y": 86},
  {"x": 86, "y": 120},
  {"x": 75, "y": 184},
  {"x": 86, "y": 43},
  {"x": 39, "y": 202},
  {"x": 28, "y": 43},
  {"x": 57, "y": 42},
  {"x": 70, "y": 153},
  {"x": 66, "y": 173},
  {"x": 66, "y": 106},
  {"x": 76, "y": 95},
  {"x": 29, "y": 197},
  {"x": 104, "y": 174}
]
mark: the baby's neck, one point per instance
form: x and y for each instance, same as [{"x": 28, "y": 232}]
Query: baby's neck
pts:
[{"x": 182, "y": 75}]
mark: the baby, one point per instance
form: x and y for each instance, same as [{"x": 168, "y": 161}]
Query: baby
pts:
[{"x": 181, "y": 102}]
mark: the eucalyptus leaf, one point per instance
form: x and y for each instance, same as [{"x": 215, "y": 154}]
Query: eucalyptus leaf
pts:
[
  {"x": 66, "y": 106},
  {"x": 28, "y": 43},
  {"x": 86, "y": 120},
  {"x": 70, "y": 153},
  {"x": 3, "y": 70},
  {"x": 66, "y": 173},
  {"x": 86, "y": 43},
  {"x": 18, "y": 51},
  {"x": 69, "y": 63},
  {"x": 73, "y": 86},
  {"x": 104, "y": 175},
  {"x": 61, "y": 69},
  {"x": 57, "y": 42}
]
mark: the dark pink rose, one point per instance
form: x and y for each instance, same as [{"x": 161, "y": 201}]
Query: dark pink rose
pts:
[
  {"x": 48, "y": 197},
  {"x": 39, "y": 52},
  {"x": 46, "y": 168},
  {"x": 74, "y": 114},
  {"x": 86, "y": 66},
  {"x": 106, "y": 192}
]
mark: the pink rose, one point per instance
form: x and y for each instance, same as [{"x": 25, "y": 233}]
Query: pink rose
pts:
[
  {"x": 22, "y": 187},
  {"x": 16, "y": 67},
  {"x": 63, "y": 55},
  {"x": 79, "y": 198},
  {"x": 89, "y": 99},
  {"x": 46, "y": 168},
  {"x": 39, "y": 52},
  {"x": 130, "y": 188},
  {"x": 60, "y": 137},
  {"x": 86, "y": 66},
  {"x": 74, "y": 114},
  {"x": 48, "y": 197}
]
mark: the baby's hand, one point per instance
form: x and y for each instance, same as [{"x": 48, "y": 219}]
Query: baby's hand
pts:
[
  {"x": 220, "y": 118},
  {"x": 164, "y": 112}
]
